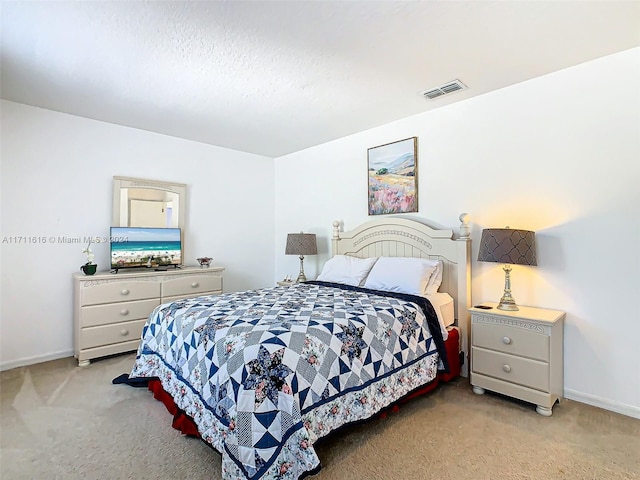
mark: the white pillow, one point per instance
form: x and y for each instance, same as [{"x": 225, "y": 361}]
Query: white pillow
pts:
[
  {"x": 443, "y": 306},
  {"x": 401, "y": 274},
  {"x": 435, "y": 280},
  {"x": 347, "y": 270}
]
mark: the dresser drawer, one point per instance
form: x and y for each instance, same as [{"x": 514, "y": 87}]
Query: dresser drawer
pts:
[
  {"x": 182, "y": 297},
  {"x": 119, "y": 292},
  {"x": 117, "y": 312},
  {"x": 190, "y": 286},
  {"x": 109, "y": 334},
  {"x": 522, "y": 371},
  {"x": 503, "y": 338}
]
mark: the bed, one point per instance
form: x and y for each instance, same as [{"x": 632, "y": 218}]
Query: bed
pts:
[{"x": 261, "y": 375}]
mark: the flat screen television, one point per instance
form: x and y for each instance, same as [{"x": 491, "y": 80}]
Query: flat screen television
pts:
[{"x": 145, "y": 247}]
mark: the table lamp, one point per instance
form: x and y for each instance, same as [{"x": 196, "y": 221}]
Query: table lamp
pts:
[
  {"x": 301, "y": 244},
  {"x": 511, "y": 247}
]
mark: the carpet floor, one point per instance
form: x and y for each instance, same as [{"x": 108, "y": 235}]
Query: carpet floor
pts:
[{"x": 59, "y": 421}]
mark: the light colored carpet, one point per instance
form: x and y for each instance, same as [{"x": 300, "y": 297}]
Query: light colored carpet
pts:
[{"x": 59, "y": 421}]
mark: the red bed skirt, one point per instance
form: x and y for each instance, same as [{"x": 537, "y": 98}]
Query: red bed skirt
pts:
[{"x": 184, "y": 423}]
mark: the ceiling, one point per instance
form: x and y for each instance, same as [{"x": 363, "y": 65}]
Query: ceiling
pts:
[{"x": 274, "y": 77}]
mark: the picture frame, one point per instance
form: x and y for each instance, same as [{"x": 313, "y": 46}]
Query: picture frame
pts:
[{"x": 393, "y": 177}]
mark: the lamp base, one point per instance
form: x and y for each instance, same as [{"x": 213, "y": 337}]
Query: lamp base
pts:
[
  {"x": 507, "y": 302},
  {"x": 301, "y": 276},
  {"x": 507, "y": 305}
]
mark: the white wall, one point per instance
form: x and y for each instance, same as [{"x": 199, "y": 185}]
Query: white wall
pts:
[
  {"x": 559, "y": 155},
  {"x": 56, "y": 179}
]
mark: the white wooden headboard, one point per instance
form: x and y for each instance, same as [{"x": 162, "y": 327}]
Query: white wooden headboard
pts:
[{"x": 403, "y": 237}]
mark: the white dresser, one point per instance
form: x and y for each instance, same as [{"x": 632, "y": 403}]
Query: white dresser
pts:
[
  {"x": 519, "y": 354},
  {"x": 110, "y": 310}
]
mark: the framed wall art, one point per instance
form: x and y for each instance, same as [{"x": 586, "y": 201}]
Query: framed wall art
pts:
[{"x": 393, "y": 177}]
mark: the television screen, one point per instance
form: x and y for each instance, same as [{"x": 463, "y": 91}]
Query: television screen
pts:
[{"x": 145, "y": 247}]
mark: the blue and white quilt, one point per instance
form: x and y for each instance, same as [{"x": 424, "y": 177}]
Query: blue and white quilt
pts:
[{"x": 265, "y": 373}]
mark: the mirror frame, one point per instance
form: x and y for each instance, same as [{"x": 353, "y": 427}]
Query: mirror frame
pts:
[{"x": 129, "y": 182}]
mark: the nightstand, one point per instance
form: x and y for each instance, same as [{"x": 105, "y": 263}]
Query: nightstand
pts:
[{"x": 518, "y": 354}]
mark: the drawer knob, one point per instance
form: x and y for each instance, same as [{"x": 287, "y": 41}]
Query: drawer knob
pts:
[
  {"x": 506, "y": 368},
  {"x": 124, "y": 311},
  {"x": 506, "y": 340},
  {"x": 195, "y": 284},
  {"x": 124, "y": 291},
  {"x": 124, "y": 332}
]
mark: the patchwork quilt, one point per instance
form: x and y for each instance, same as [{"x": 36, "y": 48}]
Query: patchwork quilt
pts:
[{"x": 265, "y": 373}]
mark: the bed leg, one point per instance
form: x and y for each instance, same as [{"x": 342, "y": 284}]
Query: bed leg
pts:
[{"x": 84, "y": 363}]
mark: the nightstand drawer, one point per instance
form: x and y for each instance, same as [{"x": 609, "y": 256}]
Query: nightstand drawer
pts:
[
  {"x": 108, "y": 334},
  {"x": 117, "y": 312},
  {"x": 192, "y": 285},
  {"x": 119, "y": 292},
  {"x": 513, "y": 340},
  {"x": 522, "y": 371}
]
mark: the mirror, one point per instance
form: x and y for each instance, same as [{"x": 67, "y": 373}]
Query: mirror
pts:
[{"x": 148, "y": 203}]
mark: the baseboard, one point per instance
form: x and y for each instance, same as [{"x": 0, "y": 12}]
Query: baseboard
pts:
[
  {"x": 33, "y": 360},
  {"x": 617, "y": 407}
]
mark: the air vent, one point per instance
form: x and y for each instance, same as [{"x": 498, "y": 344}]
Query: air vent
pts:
[{"x": 445, "y": 89}]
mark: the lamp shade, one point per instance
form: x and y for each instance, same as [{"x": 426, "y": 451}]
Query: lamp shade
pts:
[
  {"x": 506, "y": 245},
  {"x": 301, "y": 244}
]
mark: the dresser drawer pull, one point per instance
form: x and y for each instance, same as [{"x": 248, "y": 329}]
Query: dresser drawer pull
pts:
[
  {"x": 195, "y": 285},
  {"x": 506, "y": 340},
  {"x": 124, "y": 291},
  {"x": 506, "y": 368},
  {"x": 124, "y": 311},
  {"x": 124, "y": 332}
]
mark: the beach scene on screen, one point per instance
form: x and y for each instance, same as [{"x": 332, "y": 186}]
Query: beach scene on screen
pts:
[{"x": 145, "y": 247}]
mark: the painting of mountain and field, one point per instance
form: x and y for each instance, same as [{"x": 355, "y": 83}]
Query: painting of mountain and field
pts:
[{"x": 393, "y": 177}]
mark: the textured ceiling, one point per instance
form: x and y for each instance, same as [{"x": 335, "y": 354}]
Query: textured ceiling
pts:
[{"x": 274, "y": 77}]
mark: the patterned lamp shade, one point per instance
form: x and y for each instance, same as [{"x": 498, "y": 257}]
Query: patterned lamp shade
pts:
[
  {"x": 301, "y": 244},
  {"x": 505, "y": 245}
]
